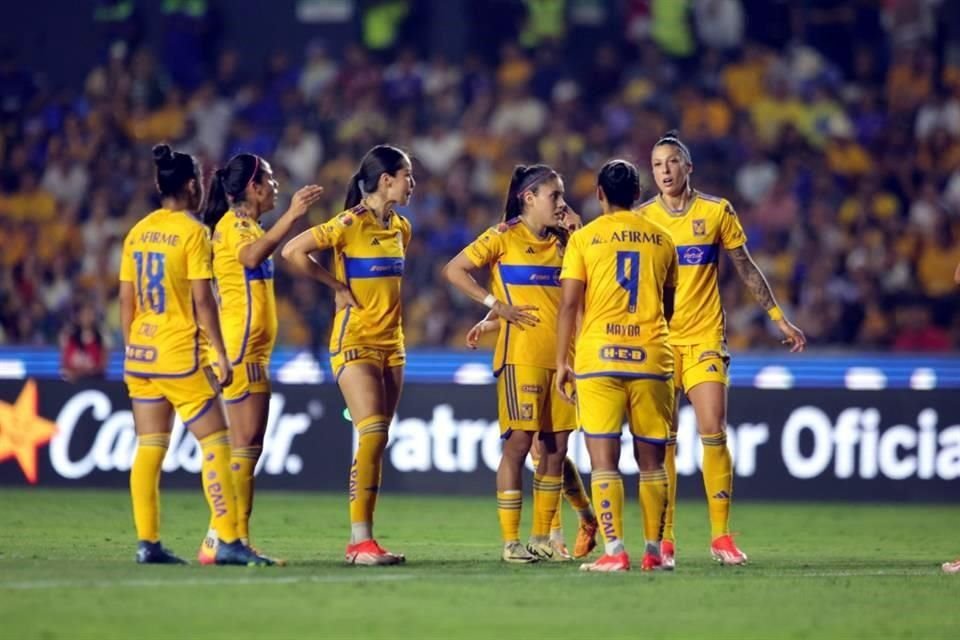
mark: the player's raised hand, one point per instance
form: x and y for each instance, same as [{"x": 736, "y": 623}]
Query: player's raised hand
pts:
[
  {"x": 793, "y": 336},
  {"x": 565, "y": 382},
  {"x": 477, "y": 330},
  {"x": 571, "y": 220},
  {"x": 303, "y": 199},
  {"x": 517, "y": 315},
  {"x": 343, "y": 298}
]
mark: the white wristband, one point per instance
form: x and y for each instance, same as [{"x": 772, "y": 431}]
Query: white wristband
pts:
[{"x": 489, "y": 301}]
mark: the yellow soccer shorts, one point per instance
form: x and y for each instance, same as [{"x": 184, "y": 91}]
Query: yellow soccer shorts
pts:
[
  {"x": 248, "y": 377},
  {"x": 527, "y": 401},
  {"x": 382, "y": 358},
  {"x": 697, "y": 363},
  {"x": 647, "y": 403},
  {"x": 191, "y": 395}
]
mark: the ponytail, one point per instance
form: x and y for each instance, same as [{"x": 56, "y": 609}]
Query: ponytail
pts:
[
  {"x": 217, "y": 202},
  {"x": 354, "y": 192}
]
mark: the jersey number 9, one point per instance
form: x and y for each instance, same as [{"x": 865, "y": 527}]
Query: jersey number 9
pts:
[
  {"x": 150, "y": 290},
  {"x": 628, "y": 276}
]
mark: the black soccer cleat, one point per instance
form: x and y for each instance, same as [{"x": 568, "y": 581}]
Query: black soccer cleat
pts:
[{"x": 155, "y": 553}]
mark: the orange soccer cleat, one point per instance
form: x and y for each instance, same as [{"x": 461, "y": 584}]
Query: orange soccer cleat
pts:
[
  {"x": 725, "y": 551},
  {"x": 370, "y": 554},
  {"x": 586, "y": 538},
  {"x": 609, "y": 563},
  {"x": 668, "y": 555}
]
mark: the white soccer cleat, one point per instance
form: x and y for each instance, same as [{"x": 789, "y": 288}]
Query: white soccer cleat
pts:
[{"x": 516, "y": 553}]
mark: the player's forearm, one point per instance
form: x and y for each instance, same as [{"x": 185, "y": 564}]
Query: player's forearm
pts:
[
  {"x": 751, "y": 275},
  {"x": 209, "y": 321},
  {"x": 956, "y": 274},
  {"x": 464, "y": 281},
  {"x": 253, "y": 255},
  {"x": 669, "y": 303},
  {"x": 127, "y": 310},
  {"x": 566, "y": 318}
]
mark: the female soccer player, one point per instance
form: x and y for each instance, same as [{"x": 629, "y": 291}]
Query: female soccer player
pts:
[
  {"x": 524, "y": 254},
  {"x": 240, "y": 193},
  {"x": 165, "y": 292},
  {"x": 369, "y": 240},
  {"x": 621, "y": 271},
  {"x": 571, "y": 483},
  {"x": 699, "y": 224}
]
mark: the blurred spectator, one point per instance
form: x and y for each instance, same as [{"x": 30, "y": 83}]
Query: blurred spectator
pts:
[{"x": 83, "y": 351}]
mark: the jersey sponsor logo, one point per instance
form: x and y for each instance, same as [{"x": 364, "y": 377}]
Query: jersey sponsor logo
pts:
[
  {"x": 517, "y": 274},
  {"x": 617, "y": 353},
  {"x": 627, "y": 235},
  {"x": 532, "y": 388},
  {"x": 141, "y": 353},
  {"x": 712, "y": 369},
  {"x": 697, "y": 254},
  {"x": 373, "y": 267},
  {"x": 596, "y": 240},
  {"x": 700, "y": 227}
]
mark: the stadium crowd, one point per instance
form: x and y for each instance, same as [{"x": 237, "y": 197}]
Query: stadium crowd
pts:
[{"x": 842, "y": 161}]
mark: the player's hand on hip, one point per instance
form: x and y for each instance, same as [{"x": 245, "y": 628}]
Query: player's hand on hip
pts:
[
  {"x": 303, "y": 199},
  {"x": 565, "y": 381},
  {"x": 793, "y": 336},
  {"x": 343, "y": 298},
  {"x": 224, "y": 371},
  {"x": 477, "y": 330},
  {"x": 517, "y": 315}
]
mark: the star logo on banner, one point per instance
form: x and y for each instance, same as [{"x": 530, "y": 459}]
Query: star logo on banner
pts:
[{"x": 22, "y": 431}]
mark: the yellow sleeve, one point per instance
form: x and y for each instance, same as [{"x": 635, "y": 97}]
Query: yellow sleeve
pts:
[
  {"x": 486, "y": 249},
  {"x": 128, "y": 271},
  {"x": 731, "y": 233},
  {"x": 239, "y": 235},
  {"x": 574, "y": 267},
  {"x": 332, "y": 233},
  {"x": 406, "y": 229},
  {"x": 199, "y": 255},
  {"x": 673, "y": 270}
]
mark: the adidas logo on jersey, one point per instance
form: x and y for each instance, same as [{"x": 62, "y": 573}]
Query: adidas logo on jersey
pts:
[
  {"x": 712, "y": 369},
  {"x": 376, "y": 242},
  {"x": 530, "y": 250}
]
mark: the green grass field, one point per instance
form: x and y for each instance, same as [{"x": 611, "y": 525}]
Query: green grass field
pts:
[{"x": 817, "y": 571}]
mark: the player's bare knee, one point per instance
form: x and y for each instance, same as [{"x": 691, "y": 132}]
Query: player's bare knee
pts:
[{"x": 649, "y": 456}]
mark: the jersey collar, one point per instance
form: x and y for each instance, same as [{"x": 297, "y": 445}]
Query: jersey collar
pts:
[{"x": 679, "y": 214}]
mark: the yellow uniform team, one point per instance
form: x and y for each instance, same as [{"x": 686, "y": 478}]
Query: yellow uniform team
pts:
[
  {"x": 164, "y": 358},
  {"x": 248, "y": 309},
  {"x": 368, "y": 258},
  {"x": 697, "y": 331},
  {"x": 525, "y": 270}
]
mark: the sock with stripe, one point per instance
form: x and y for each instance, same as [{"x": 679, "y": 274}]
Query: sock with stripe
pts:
[
  {"x": 218, "y": 484},
  {"x": 607, "y": 488},
  {"x": 243, "y": 462},
  {"x": 546, "y": 502},
  {"x": 145, "y": 484},
  {"x": 653, "y": 504},
  {"x": 509, "y": 504},
  {"x": 575, "y": 493},
  {"x": 670, "y": 464},
  {"x": 718, "y": 481},
  {"x": 365, "y": 475}
]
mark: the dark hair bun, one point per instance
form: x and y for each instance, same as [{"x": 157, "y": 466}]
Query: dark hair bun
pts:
[
  {"x": 519, "y": 171},
  {"x": 162, "y": 154},
  {"x": 673, "y": 133}
]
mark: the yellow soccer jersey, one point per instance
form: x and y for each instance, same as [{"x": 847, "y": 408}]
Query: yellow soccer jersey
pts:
[
  {"x": 368, "y": 257},
  {"x": 161, "y": 255},
  {"x": 626, "y": 261},
  {"x": 248, "y": 309},
  {"x": 525, "y": 270},
  {"x": 708, "y": 224}
]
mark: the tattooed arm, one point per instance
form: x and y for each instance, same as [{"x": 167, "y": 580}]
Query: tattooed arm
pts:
[{"x": 751, "y": 275}]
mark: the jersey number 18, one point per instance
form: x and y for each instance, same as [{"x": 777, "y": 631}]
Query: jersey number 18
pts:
[{"x": 150, "y": 290}]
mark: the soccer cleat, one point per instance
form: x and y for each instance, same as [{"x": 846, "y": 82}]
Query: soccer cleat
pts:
[
  {"x": 236, "y": 553},
  {"x": 586, "y": 538},
  {"x": 608, "y": 563},
  {"x": 370, "y": 554},
  {"x": 668, "y": 555},
  {"x": 550, "y": 551},
  {"x": 516, "y": 553},
  {"x": 154, "y": 553},
  {"x": 651, "y": 562},
  {"x": 208, "y": 548},
  {"x": 951, "y": 567},
  {"x": 278, "y": 562},
  {"x": 560, "y": 551},
  {"x": 725, "y": 551}
]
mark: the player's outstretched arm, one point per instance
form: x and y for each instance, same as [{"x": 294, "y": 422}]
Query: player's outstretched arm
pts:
[
  {"x": 757, "y": 284},
  {"x": 252, "y": 255}
]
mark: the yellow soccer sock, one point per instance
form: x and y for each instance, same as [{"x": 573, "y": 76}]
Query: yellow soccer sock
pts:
[
  {"x": 575, "y": 493},
  {"x": 670, "y": 465},
  {"x": 653, "y": 503},
  {"x": 718, "y": 482},
  {"x": 145, "y": 484},
  {"x": 556, "y": 525},
  {"x": 365, "y": 475},
  {"x": 509, "y": 504},
  {"x": 546, "y": 503},
  {"x": 607, "y": 488},
  {"x": 243, "y": 462},
  {"x": 218, "y": 484}
]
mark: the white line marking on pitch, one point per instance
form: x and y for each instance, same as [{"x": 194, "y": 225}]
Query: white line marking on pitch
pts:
[{"x": 174, "y": 582}]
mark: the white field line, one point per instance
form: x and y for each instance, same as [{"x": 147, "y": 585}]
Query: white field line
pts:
[{"x": 27, "y": 585}]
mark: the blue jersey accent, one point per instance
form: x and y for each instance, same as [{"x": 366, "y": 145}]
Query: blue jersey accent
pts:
[
  {"x": 520, "y": 274},
  {"x": 373, "y": 267}
]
